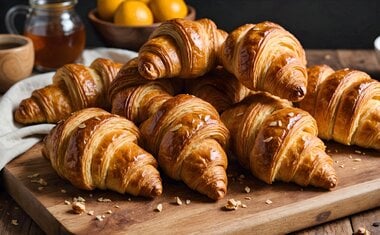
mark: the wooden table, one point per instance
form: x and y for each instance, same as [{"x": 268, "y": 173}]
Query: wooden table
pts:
[{"x": 15, "y": 221}]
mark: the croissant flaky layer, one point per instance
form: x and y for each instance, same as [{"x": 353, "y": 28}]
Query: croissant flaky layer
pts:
[
  {"x": 279, "y": 142},
  {"x": 218, "y": 87},
  {"x": 266, "y": 57},
  {"x": 74, "y": 87},
  {"x": 95, "y": 149},
  {"x": 185, "y": 133},
  {"x": 181, "y": 48},
  {"x": 188, "y": 139},
  {"x": 346, "y": 105}
]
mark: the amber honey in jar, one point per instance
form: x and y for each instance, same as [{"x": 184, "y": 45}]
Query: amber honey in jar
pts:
[{"x": 56, "y": 30}]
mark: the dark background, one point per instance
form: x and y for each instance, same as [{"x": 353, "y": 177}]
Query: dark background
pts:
[{"x": 329, "y": 24}]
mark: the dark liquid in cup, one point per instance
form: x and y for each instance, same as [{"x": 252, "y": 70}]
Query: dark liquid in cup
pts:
[{"x": 9, "y": 45}]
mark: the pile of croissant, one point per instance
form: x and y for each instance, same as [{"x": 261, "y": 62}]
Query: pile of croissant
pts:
[{"x": 193, "y": 93}]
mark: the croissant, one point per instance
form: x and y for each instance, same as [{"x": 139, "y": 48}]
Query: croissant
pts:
[
  {"x": 74, "y": 87},
  {"x": 218, "y": 87},
  {"x": 185, "y": 133},
  {"x": 345, "y": 104},
  {"x": 266, "y": 57},
  {"x": 279, "y": 142},
  {"x": 181, "y": 48},
  {"x": 95, "y": 149},
  {"x": 136, "y": 98}
]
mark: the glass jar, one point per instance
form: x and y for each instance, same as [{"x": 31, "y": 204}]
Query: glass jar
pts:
[{"x": 56, "y": 30}]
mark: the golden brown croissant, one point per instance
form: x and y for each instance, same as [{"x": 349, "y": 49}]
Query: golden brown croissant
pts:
[
  {"x": 219, "y": 88},
  {"x": 136, "y": 98},
  {"x": 345, "y": 104},
  {"x": 266, "y": 57},
  {"x": 185, "y": 133},
  {"x": 181, "y": 48},
  {"x": 95, "y": 149},
  {"x": 74, "y": 87},
  {"x": 279, "y": 142}
]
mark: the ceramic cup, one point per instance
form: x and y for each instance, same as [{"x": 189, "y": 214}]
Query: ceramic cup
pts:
[{"x": 16, "y": 59}]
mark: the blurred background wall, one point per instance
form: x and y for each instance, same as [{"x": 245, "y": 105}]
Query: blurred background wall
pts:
[{"x": 352, "y": 24}]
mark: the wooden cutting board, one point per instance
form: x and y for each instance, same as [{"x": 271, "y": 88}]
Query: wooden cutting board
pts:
[{"x": 291, "y": 208}]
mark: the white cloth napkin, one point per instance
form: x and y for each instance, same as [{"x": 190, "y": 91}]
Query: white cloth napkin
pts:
[{"x": 15, "y": 139}]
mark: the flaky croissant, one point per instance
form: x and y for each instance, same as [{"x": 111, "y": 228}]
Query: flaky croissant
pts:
[
  {"x": 74, "y": 87},
  {"x": 218, "y": 87},
  {"x": 279, "y": 142},
  {"x": 181, "y": 48},
  {"x": 345, "y": 104},
  {"x": 136, "y": 98},
  {"x": 185, "y": 133},
  {"x": 95, "y": 149},
  {"x": 266, "y": 57}
]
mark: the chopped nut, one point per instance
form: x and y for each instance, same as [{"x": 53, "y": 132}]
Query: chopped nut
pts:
[
  {"x": 104, "y": 200},
  {"x": 159, "y": 207},
  {"x": 117, "y": 206},
  {"x": 243, "y": 206},
  {"x": 78, "y": 207},
  {"x": 99, "y": 217},
  {"x": 187, "y": 201},
  {"x": 79, "y": 199},
  {"x": 15, "y": 222},
  {"x": 268, "y": 202},
  {"x": 358, "y": 151},
  {"x": 103, "y": 216},
  {"x": 34, "y": 175},
  {"x": 274, "y": 123},
  {"x": 232, "y": 204},
  {"x": 63, "y": 191},
  {"x": 109, "y": 212},
  {"x": 341, "y": 166},
  {"x": 247, "y": 189},
  {"x": 82, "y": 125},
  {"x": 268, "y": 139},
  {"x": 357, "y": 160},
  {"x": 90, "y": 213},
  {"x": 39, "y": 181},
  {"x": 248, "y": 198},
  {"x": 67, "y": 202},
  {"x": 178, "y": 201}
]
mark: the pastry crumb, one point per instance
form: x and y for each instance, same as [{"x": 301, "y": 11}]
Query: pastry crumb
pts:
[
  {"x": 158, "y": 207},
  {"x": 90, "y": 213},
  {"x": 34, "y": 175},
  {"x": 101, "y": 199},
  {"x": 67, "y": 202},
  {"x": 357, "y": 160},
  {"x": 232, "y": 204},
  {"x": 63, "y": 191},
  {"x": 268, "y": 139},
  {"x": 187, "y": 202},
  {"x": 248, "y": 198},
  {"x": 247, "y": 189},
  {"x": 78, "y": 199},
  {"x": 40, "y": 181},
  {"x": 109, "y": 212},
  {"x": 78, "y": 207},
  {"x": 178, "y": 201},
  {"x": 14, "y": 222},
  {"x": 99, "y": 217},
  {"x": 268, "y": 202},
  {"x": 117, "y": 206}
]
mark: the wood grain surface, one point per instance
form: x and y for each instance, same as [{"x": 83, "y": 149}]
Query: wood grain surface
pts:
[{"x": 292, "y": 207}]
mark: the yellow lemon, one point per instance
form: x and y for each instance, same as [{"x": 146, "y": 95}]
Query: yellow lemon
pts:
[
  {"x": 106, "y": 8},
  {"x": 168, "y": 9},
  {"x": 133, "y": 13}
]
